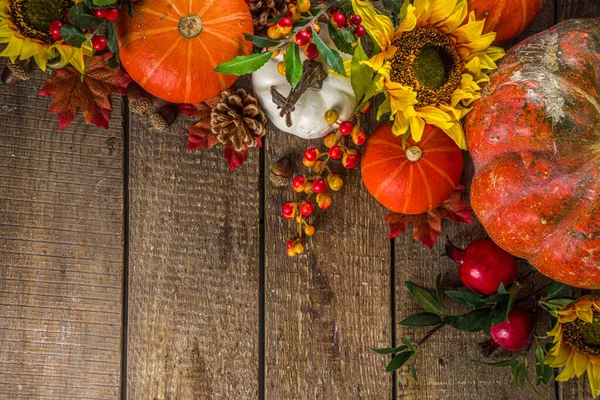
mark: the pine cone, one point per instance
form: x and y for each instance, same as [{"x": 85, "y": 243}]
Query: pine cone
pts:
[
  {"x": 158, "y": 123},
  {"x": 238, "y": 119},
  {"x": 140, "y": 101},
  {"x": 264, "y": 10}
]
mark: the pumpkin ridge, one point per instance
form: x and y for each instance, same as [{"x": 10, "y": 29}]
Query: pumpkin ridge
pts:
[
  {"x": 441, "y": 150},
  {"x": 427, "y": 186},
  {"x": 383, "y": 143},
  {"x": 524, "y": 21},
  {"x": 204, "y": 9},
  {"x": 158, "y": 63},
  {"x": 149, "y": 11},
  {"x": 382, "y": 161},
  {"x": 390, "y": 178},
  {"x": 188, "y": 77},
  {"x": 214, "y": 65},
  {"x": 135, "y": 36},
  {"x": 220, "y": 36},
  {"x": 174, "y": 7},
  {"x": 439, "y": 171},
  {"x": 409, "y": 187},
  {"x": 227, "y": 18}
]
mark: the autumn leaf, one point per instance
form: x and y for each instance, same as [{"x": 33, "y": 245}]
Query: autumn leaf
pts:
[
  {"x": 202, "y": 109},
  {"x": 428, "y": 226},
  {"x": 234, "y": 158},
  {"x": 91, "y": 94}
]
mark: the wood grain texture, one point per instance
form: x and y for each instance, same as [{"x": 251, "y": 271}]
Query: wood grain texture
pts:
[
  {"x": 444, "y": 366},
  {"x": 61, "y": 251},
  {"x": 328, "y": 306},
  {"x": 576, "y": 389},
  {"x": 194, "y": 272}
]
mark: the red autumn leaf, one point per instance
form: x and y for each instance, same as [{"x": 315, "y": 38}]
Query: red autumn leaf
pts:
[
  {"x": 428, "y": 226},
  {"x": 91, "y": 95},
  {"x": 234, "y": 158},
  {"x": 201, "y": 136}
]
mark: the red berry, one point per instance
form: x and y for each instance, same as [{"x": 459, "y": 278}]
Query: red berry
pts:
[
  {"x": 319, "y": 185},
  {"x": 514, "y": 334},
  {"x": 298, "y": 181},
  {"x": 307, "y": 209},
  {"x": 287, "y": 209},
  {"x": 290, "y": 244},
  {"x": 101, "y": 12},
  {"x": 346, "y": 128},
  {"x": 351, "y": 160},
  {"x": 302, "y": 38},
  {"x": 309, "y": 32},
  {"x": 55, "y": 27},
  {"x": 359, "y": 31},
  {"x": 112, "y": 14},
  {"x": 99, "y": 43},
  {"x": 338, "y": 19},
  {"x": 484, "y": 266},
  {"x": 334, "y": 10},
  {"x": 356, "y": 20},
  {"x": 56, "y": 36},
  {"x": 311, "y": 154},
  {"x": 335, "y": 152},
  {"x": 311, "y": 51},
  {"x": 359, "y": 137},
  {"x": 285, "y": 22}
]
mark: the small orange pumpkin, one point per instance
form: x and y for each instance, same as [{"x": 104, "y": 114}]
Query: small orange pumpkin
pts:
[
  {"x": 171, "y": 47},
  {"x": 415, "y": 180},
  {"x": 508, "y": 18}
]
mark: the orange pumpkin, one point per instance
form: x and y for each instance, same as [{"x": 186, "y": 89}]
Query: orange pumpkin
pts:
[
  {"x": 171, "y": 47},
  {"x": 508, "y": 18},
  {"x": 415, "y": 180}
]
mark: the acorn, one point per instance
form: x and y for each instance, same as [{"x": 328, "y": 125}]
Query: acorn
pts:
[
  {"x": 9, "y": 78},
  {"x": 140, "y": 102},
  {"x": 169, "y": 112},
  {"x": 281, "y": 173},
  {"x": 20, "y": 69}
]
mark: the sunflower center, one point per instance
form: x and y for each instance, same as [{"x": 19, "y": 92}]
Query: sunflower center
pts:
[
  {"x": 33, "y": 17},
  {"x": 584, "y": 336},
  {"x": 427, "y": 62}
]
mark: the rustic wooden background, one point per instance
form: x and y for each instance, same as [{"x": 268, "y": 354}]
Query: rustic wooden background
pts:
[{"x": 132, "y": 268}]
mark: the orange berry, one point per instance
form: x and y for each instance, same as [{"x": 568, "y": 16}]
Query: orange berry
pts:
[
  {"x": 366, "y": 108},
  {"x": 291, "y": 252},
  {"x": 299, "y": 248},
  {"x": 281, "y": 68},
  {"x": 329, "y": 140},
  {"x": 309, "y": 230},
  {"x": 307, "y": 163},
  {"x": 331, "y": 116},
  {"x": 294, "y": 13},
  {"x": 303, "y": 5},
  {"x": 318, "y": 166},
  {"x": 324, "y": 201},
  {"x": 335, "y": 182}
]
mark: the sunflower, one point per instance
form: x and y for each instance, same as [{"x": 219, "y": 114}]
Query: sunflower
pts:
[
  {"x": 25, "y": 27},
  {"x": 577, "y": 342},
  {"x": 430, "y": 67}
]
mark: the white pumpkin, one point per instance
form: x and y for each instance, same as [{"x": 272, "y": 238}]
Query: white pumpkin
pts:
[{"x": 307, "y": 118}]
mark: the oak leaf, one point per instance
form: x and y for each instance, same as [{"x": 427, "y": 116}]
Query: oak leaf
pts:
[
  {"x": 428, "y": 226},
  {"x": 91, "y": 93}
]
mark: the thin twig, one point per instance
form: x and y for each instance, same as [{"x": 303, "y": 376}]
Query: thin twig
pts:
[{"x": 430, "y": 333}]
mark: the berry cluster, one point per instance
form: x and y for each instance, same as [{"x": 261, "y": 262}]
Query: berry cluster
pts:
[
  {"x": 323, "y": 177},
  {"x": 284, "y": 28}
]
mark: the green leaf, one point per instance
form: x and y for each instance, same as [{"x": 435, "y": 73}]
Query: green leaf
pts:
[
  {"x": 544, "y": 372},
  {"x": 409, "y": 344},
  {"x": 556, "y": 289},
  {"x": 73, "y": 35},
  {"x": 385, "y": 108},
  {"x": 112, "y": 44},
  {"x": 501, "y": 310},
  {"x": 392, "y": 5},
  {"x": 260, "y": 41},
  {"x": 104, "y": 3},
  {"x": 398, "y": 361},
  {"x": 361, "y": 75},
  {"x": 465, "y": 297},
  {"x": 82, "y": 17},
  {"x": 557, "y": 304},
  {"x": 470, "y": 322},
  {"x": 502, "y": 363},
  {"x": 389, "y": 350},
  {"x": 422, "y": 319},
  {"x": 340, "y": 39},
  {"x": 243, "y": 65},
  {"x": 413, "y": 372},
  {"x": 427, "y": 301},
  {"x": 518, "y": 373},
  {"x": 331, "y": 57},
  {"x": 403, "y": 10},
  {"x": 293, "y": 65}
]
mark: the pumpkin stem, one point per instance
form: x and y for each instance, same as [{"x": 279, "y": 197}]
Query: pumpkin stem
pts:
[
  {"x": 190, "y": 26},
  {"x": 414, "y": 153}
]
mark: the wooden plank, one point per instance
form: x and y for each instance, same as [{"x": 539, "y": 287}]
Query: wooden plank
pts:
[
  {"x": 61, "y": 251},
  {"x": 194, "y": 270},
  {"x": 444, "y": 365},
  {"x": 325, "y": 308},
  {"x": 576, "y": 389}
]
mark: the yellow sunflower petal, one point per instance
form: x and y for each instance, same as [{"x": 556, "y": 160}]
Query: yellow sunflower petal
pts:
[
  {"x": 13, "y": 48},
  {"x": 30, "y": 48},
  {"x": 560, "y": 357},
  {"x": 556, "y": 331},
  {"x": 580, "y": 363},
  {"x": 568, "y": 372},
  {"x": 417, "y": 127},
  {"x": 377, "y": 62},
  {"x": 470, "y": 31},
  {"x": 434, "y": 116},
  {"x": 594, "y": 378},
  {"x": 400, "y": 126},
  {"x": 379, "y": 26},
  {"x": 440, "y": 11},
  {"x": 455, "y": 19},
  {"x": 422, "y": 11},
  {"x": 409, "y": 22}
]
